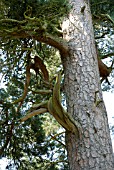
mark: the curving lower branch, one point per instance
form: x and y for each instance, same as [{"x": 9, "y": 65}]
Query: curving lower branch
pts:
[{"x": 63, "y": 117}]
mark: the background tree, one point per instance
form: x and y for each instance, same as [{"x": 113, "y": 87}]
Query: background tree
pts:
[{"x": 24, "y": 34}]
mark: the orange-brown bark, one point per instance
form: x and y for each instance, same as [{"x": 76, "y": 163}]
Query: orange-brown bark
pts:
[
  {"x": 103, "y": 69},
  {"x": 39, "y": 65}
]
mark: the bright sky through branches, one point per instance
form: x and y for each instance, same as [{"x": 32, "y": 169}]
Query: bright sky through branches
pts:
[{"x": 109, "y": 103}]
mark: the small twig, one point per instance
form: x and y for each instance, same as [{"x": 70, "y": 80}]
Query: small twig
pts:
[
  {"x": 54, "y": 137},
  {"x": 34, "y": 113},
  {"x": 41, "y": 91},
  {"x": 12, "y": 21},
  {"x": 102, "y": 36},
  {"x": 107, "y": 55},
  {"x": 108, "y": 17},
  {"x": 99, "y": 3}
]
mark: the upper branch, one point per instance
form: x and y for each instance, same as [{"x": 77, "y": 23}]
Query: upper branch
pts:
[
  {"x": 104, "y": 17},
  {"x": 32, "y": 29}
]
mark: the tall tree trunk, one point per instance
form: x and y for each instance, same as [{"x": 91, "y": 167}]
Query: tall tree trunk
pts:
[{"x": 93, "y": 148}]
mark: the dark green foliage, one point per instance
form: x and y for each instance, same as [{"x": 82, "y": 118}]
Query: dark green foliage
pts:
[
  {"x": 49, "y": 13},
  {"x": 49, "y": 10},
  {"x": 103, "y": 7}
]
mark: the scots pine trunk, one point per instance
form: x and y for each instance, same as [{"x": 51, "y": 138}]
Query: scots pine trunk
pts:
[{"x": 92, "y": 149}]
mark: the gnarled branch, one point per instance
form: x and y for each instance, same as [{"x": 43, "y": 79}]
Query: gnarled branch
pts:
[
  {"x": 31, "y": 29},
  {"x": 56, "y": 109}
]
